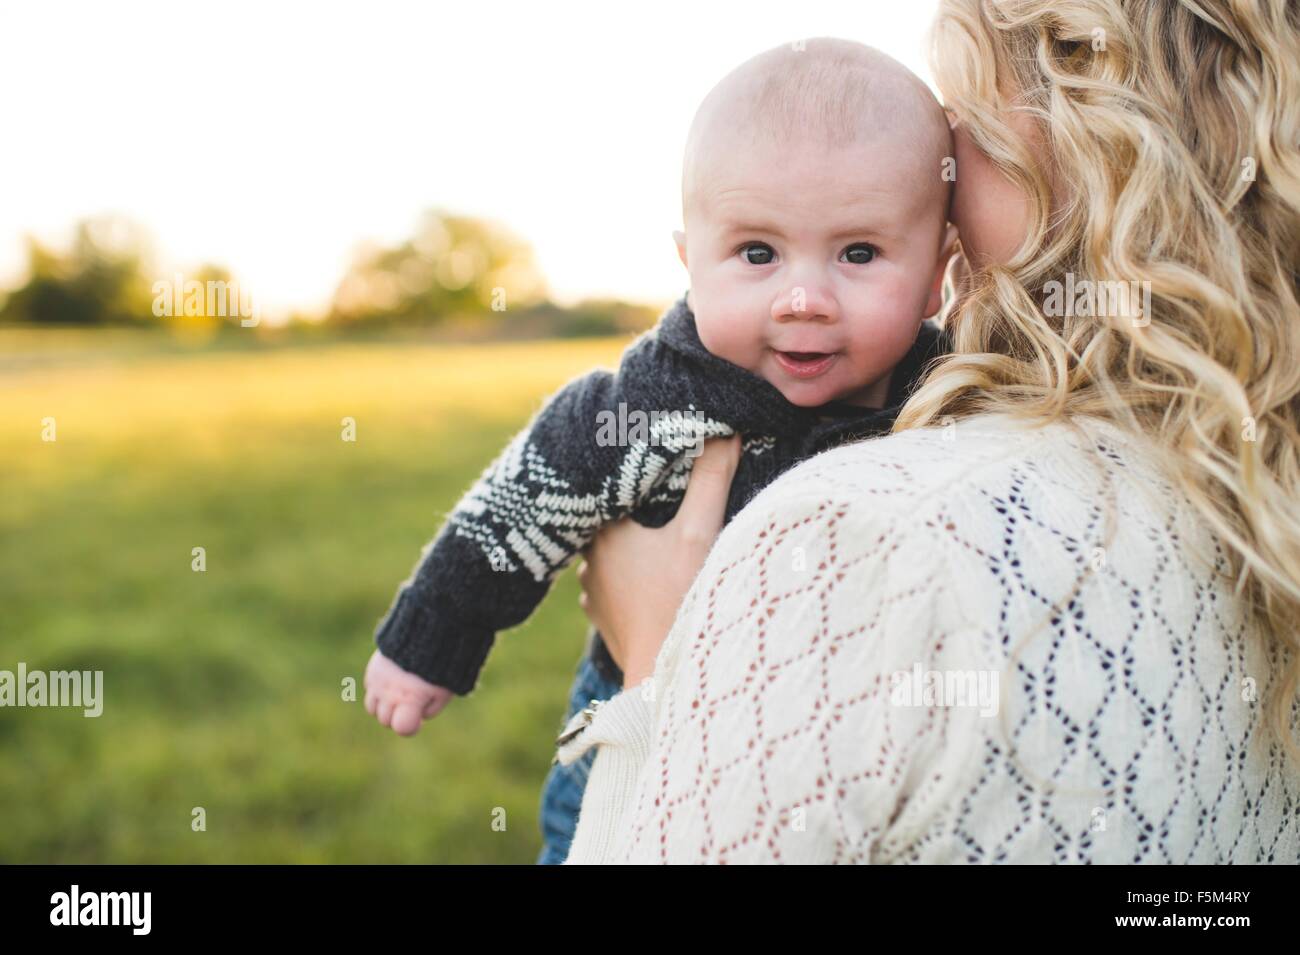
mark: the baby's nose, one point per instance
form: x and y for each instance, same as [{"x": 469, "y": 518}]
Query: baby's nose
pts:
[{"x": 803, "y": 302}]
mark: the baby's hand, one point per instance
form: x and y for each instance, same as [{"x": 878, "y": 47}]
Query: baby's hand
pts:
[{"x": 399, "y": 699}]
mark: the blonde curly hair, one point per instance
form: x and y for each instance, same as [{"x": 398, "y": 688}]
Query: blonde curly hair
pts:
[{"x": 1175, "y": 125}]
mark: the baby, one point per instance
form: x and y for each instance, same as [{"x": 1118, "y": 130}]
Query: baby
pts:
[{"x": 814, "y": 208}]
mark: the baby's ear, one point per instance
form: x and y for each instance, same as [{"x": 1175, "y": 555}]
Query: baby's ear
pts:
[
  {"x": 946, "y": 251},
  {"x": 679, "y": 237},
  {"x": 949, "y": 246}
]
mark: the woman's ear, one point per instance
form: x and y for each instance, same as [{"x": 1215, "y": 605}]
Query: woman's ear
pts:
[
  {"x": 680, "y": 238},
  {"x": 947, "y": 249}
]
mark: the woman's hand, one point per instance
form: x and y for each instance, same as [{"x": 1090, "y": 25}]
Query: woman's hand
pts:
[{"x": 634, "y": 578}]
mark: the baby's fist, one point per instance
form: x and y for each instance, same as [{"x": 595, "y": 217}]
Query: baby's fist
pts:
[{"x": 399, "y": 699}]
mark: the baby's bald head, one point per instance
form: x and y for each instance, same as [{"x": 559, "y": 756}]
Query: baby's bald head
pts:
[{"x": 822, "y": 93}]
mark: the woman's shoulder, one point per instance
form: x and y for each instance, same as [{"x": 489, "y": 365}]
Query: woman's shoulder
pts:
[
  {"x": 979, "y": 460},
  {"x": 988, "y": 491}
]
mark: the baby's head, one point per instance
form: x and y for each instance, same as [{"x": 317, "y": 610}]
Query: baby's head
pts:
[{"x": 815, "y": 209}]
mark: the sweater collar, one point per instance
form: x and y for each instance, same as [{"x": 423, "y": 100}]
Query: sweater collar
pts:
[{"x": 753, "y": 404}]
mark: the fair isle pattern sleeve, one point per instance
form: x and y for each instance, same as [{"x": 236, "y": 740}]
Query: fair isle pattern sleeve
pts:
[{"x": 577, "y": 465}]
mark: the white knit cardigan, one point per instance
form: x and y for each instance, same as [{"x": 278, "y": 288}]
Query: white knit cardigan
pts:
[{"x": 843, "y": 676}]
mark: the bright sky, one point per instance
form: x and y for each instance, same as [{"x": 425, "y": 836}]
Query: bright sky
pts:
[{"x": 273, "y": 137}]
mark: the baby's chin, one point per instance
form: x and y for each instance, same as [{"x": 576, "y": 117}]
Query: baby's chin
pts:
[{"x": 809, "y": 394}]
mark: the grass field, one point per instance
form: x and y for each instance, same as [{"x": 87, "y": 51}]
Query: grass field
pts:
[{"x": 223, "y": 689}]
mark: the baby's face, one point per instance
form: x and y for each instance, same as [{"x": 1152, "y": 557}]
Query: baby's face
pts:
[{"x": 814, "y": 267}]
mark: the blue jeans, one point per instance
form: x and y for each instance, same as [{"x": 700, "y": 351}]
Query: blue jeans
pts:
[{"x": 564, "y": 786}]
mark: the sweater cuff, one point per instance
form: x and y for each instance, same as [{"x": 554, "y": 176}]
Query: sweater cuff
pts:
[{"x": 427, "y": 640}]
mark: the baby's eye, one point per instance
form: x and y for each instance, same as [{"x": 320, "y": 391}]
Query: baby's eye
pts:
[
  {"x": 859, "y": 253},
  {"x": 757, "y": 253}
]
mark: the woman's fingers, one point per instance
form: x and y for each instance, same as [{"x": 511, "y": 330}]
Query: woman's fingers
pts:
[
  {"x": 634, "y": 577},
  {"x": 705, "y": 502}
]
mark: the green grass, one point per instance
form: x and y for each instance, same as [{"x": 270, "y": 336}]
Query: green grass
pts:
[{"x": 223, "y": 689}]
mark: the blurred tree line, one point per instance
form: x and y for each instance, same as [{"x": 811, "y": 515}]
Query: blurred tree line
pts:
[
  {"x": 101, "y": 279},
  {"x": 453, "y": 271}
]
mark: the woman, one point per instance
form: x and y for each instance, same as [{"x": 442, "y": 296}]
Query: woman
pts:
[{"x": 1054, "y": 616}]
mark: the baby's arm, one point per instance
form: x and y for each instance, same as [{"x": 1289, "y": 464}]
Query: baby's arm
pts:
[{"x": 529, "y": 513}]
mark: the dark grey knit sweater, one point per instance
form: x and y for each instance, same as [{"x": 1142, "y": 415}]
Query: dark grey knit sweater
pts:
[{"x": 561, "y": 478}]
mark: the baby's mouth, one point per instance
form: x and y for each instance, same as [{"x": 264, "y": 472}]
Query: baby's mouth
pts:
[{"x": 805, "y": 364}]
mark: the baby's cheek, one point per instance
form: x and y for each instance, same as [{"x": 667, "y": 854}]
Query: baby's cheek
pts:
[
  {"x": 888, "y": 325},
  {"x": 729, "y": 337}
]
